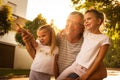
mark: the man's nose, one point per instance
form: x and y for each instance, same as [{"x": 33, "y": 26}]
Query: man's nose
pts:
[
  {"x": 86, "y": 21},
  {"x": 40, "y": 38}
]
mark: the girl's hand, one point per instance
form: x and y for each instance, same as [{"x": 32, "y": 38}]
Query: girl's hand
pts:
[
  {"x": 26, "y": 35},
  {"x": 20, "y": 30}
]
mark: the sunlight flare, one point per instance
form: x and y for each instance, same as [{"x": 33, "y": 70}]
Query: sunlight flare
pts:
[{"x": 56, "y": 10}]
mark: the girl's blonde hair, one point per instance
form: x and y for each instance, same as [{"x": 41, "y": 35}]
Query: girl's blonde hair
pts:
[{"x": 52, "y": 35}]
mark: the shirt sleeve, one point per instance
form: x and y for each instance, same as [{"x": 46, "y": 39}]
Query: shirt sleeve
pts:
[
  {"x": 107, "y": 40},
  {"x": 56, "y": 50}
]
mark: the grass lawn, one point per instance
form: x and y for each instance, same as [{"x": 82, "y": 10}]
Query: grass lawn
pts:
[{"x": 9, "y": 73}]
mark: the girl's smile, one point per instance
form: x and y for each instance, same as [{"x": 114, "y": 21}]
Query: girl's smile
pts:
[{"x": 91, "y": 23}]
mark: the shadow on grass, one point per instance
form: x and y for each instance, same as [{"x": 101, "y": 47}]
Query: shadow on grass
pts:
[{"x": 13, "y": 73}]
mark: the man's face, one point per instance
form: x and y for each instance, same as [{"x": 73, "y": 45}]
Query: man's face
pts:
[{"x": 74, "y": 25}]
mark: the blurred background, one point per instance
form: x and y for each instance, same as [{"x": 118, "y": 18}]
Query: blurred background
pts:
[{"x": 14, "y": 59}]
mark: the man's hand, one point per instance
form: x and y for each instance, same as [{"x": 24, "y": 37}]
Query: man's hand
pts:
[
  {"x": 84, "y": 76},
  {"x": 69, "y": 79}
]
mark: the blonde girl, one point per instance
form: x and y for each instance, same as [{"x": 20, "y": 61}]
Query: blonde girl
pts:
[{"x": 43, "y": 51}]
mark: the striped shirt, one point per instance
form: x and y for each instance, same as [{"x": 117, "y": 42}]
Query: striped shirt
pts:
[{"x": 67, "y": 52}]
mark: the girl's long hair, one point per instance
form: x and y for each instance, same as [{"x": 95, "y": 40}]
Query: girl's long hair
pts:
[{"x": 52, "y": 35}]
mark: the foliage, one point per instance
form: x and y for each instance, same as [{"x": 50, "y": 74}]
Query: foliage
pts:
[
  {"x": 112, "y": 58},
  {"x": 32, "y": 26},
  {"x": 112, "y": 10},
  {"x": 5, "y": 19},
  {"x": 8, "y": 72}
]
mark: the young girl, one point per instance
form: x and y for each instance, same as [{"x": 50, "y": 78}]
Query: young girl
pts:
[
  {"x": 43, "y": 53},
  {"x": 93, "y": 49}
]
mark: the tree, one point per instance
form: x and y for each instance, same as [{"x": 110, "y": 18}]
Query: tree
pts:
[
  {"x": 5, "y": 19},
  {"x": 32, "y": 26},
  {"x": 112, "y": 10}
]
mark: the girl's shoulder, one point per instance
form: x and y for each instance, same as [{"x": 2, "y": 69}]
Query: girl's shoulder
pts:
[
  {"x": 61, "y": 35},
  {"x": 56, "y": 50},
  {"x": 86, "y": 32},
  {"x": 38, "y": 41}
]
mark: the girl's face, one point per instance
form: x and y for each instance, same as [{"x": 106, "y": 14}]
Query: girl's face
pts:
[
  {"x": 91, "y": 22},
  {"x": 44, "y": 37}
]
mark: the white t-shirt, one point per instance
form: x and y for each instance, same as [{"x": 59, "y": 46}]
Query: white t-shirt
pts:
[
  {"x": 90, "y": 47},
  {"x": 43, "y": 62}
]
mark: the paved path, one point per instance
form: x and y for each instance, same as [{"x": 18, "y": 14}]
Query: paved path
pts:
[{"x": 112, "y": 75}]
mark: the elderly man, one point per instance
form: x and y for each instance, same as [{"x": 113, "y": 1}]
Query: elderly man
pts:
[{"x": 70, "y": 41}]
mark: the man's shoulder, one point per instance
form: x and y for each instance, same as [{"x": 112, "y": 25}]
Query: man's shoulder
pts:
[{"x": 60, "y": 35}]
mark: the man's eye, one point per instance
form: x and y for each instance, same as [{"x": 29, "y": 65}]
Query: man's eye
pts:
[
  {"x": 76, "y": 23},
  {"x": 88, "y": 18},
  {"x": 43, "y": 35}
]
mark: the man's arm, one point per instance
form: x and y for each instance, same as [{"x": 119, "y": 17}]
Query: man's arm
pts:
[{"x": 56, "y": 71}]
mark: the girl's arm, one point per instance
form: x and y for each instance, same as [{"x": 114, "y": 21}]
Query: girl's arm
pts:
[
  {"x": 30, "y": 48},
  {"x": 22, "y": 31},
  {"x": 33, "y": 41},
  {"x": 28, "y": 39},
  {"x": 97, "y": 61}
]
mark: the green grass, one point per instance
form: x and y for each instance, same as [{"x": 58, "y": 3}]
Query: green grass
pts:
[{"x": 13, "y": 72}]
